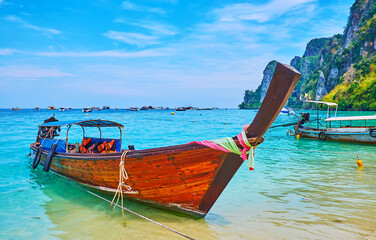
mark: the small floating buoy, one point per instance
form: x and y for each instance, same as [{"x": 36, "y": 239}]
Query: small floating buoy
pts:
[
  {"x": 297, "y": 136},
  {"x": 87, "y": 114},
  {"x": 172, "y": 113},
  {"x": 359, "y": 162}
]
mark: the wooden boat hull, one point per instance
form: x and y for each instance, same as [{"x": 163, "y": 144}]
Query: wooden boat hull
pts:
[
  {"x": 185, "y": 178},
  {"x": 343, "y": 135}
]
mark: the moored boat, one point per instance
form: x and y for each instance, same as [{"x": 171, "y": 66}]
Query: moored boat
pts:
[
  {"x": 62, "y": 109},
  {"x": 287, "y": 111},
  {"x": 135, "y": 109},
  {"x": 15, "y": 109},
  {"x": 85, "y": 110},
  {"x": 186, "y": 178},
  {"x": 36, "y": 109},
  {"x": 51, "y": 108},
  {"x": 105, "y": 108},
  {"x": 358, "y": 129},
  {"x": 145, "y": 108}
]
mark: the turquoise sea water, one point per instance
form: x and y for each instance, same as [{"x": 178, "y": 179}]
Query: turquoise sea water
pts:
[{"x": 290, "y": 195}]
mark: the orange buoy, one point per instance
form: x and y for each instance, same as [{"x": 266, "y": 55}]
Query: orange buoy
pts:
[
  {"x": 359, "y": 163},
  {"x": 172, "y": 113},
  {"x": 297, "y": 136}
]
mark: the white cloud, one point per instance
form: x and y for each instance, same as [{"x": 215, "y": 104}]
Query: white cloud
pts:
[
  {"x": 30, "y": 72},
  {"x": 24, "y": 24},
  {"x": 120, "y": 54},
  {"x": 7, "y": 51},
  {"x": 138, "y": 39},
  {"x": 154, "y": 27},
  {"x": 259, "y": 13},
  {"x": 133, "y": 7},
  {"x": 157, "y": 28}
]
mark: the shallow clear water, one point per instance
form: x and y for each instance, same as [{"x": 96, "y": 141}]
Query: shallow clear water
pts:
[{"x": 290, "y": 195}]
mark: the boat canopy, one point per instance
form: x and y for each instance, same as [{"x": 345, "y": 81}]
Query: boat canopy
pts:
[
  {"x": 327, "y": 103},
  {"x": 350, "y": 118},
  {"x": 83, "y": 123}
]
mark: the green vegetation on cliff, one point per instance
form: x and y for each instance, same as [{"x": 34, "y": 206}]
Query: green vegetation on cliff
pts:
[
  {"x": 360, "y": 94},
  {"x": 251, "y": 99},
  {"x": 340, "y": 68}
]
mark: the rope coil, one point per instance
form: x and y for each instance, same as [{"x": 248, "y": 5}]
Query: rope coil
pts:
[{"x": 123, "y": 175}]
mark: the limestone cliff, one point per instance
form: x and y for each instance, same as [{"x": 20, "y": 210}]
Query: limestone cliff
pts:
[
  {"x": 268, "y": 75},
  {"x": 253, "y": 99},
  {"x": 339, "y": 68}
]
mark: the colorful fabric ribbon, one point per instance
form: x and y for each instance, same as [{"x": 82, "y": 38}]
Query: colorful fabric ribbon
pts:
[{"x": 228, "y": 144}]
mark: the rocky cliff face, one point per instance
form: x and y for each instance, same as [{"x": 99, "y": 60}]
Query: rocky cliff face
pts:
[
  {"x": 268, "y": 75},
  {"x": 253, "y": 99},
  {"x": 359, "y": 12},
  {"x": 341, "y": 60}
]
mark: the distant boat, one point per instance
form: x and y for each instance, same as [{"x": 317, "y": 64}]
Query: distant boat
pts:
[
  {"x": 87, "y": 110},
  {"x": 115, "y": 109},
  {"x": 105, "y": 108},
  {"x": 70, "y": 109},
  {"x": 180, "y": 109},
  {"x": 287, "y": 111},
  {"x": 62, "y": 109},
  {"x": 36, "y": 109},
  {"x": 51, "y": 108},
  {"x": 133, "y": 109},
  {"x": 96, "y": 108},
  {"x": 358, "y": 129},
  {"x": 204, "y": 108},
  {"x": 144, "y": 108},
  {"x": 15, "y": 109}
]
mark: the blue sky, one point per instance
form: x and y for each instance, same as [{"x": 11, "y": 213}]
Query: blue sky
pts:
[{"x": 156, "y": 52}]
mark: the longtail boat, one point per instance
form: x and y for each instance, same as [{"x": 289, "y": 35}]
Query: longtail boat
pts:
[
  {"x": 186, "y": 178},
  {"x": 357, "y": 129}
]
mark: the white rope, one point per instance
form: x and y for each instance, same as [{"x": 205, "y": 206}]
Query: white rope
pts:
[
  {"x": 126, "y": 209},
  {"x": 123, "y": 175}
]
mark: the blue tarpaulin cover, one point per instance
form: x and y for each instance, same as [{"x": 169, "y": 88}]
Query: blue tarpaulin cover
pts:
[{"x": 47, "y": 143}]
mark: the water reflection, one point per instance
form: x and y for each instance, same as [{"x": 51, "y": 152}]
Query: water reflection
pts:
[{"x": 79, "y": 215}]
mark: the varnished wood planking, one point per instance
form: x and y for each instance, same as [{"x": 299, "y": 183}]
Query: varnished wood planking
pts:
[{"x": 179, "y": 177}]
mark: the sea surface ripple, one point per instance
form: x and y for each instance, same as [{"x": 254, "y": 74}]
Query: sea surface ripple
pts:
[{"x": 293, "y": 194}]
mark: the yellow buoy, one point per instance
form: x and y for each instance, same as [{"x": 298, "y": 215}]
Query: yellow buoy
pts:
[
  {"x": 297, "y": 136},
  {"x": 172, "y": 113},
  {"x": 359, "y": 163},
  {"x": 87, "y": 114}
]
